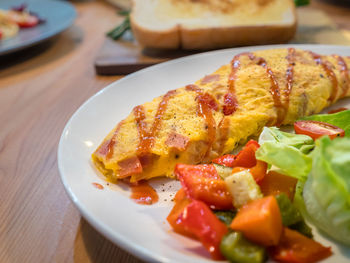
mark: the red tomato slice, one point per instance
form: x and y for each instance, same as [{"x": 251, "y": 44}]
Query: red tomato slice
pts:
[
  {"x": 23, "y": 19},
  {"x": 317, "y": 129},
  {"x": 198, "y": 219},
  {"x": 275, "y": 183},
  {"x": 259, "y": 171},
  {"x": 297, "y": 248},
  {"x": 226, "y": 160},
  {"x": 181, "y": 201},
  {"x": 245, "y": 158},
  {"x": 202, "y": 182}
]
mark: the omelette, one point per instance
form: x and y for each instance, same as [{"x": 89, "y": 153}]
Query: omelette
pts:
[{"x": 201, "y": 121}]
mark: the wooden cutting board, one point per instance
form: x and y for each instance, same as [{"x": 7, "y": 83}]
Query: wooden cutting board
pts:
[{"x": 126, "y": 56}]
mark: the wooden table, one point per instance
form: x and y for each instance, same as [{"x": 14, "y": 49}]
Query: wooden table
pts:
[{"x": 40, "y": 89}]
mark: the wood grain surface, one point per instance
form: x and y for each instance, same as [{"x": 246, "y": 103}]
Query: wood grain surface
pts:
[{"x": 40, "y": 88}]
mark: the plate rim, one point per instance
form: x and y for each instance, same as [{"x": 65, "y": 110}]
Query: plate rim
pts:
[{"x": 121, "y": 240}]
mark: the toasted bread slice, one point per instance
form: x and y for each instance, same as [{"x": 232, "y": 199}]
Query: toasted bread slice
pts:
[{"x": 209, "y": 24}]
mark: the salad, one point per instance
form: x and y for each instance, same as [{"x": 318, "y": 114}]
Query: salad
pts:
[
  {"x": 251, "y": 206},
  {"x": 15, "y": 18}
]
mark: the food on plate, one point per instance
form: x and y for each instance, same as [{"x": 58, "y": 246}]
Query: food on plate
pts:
[
  {"x": 267, "y": 224},
  {"x": 339, "y": 119},
  {"x": 188, "y": 24},
  {"x": 289, "y": 153},
  {"x": 14, "y": 19},
  {"x": 8, "y": 28},
  {"x": 316, "y": 129},
  {"x": 322, "y": 170},
  {"x": 326, "y": 192},
  {"x": 204, "y": 120}
]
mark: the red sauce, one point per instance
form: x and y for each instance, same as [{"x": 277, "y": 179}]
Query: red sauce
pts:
[
  {"x": 330, "y": 73},
  {"x": 230, "y": 100},
  {"x": 147, "y": 137},
  {"x": 113, "y": 141},
  {"x": 192, "y": 87},
  {"x": 337, "y": 110},
  {"x": 210, "y": 78},
  {"x": 274, "y": 89},
  {"x": 140, "y": 116},
  {"x": 206, "y": 103},
  {"x": 143, "y": 193},
  {"x": 345, "y": 72},
  {"x": 98, "y": 186},
  {"x": 289, "y": 76}
]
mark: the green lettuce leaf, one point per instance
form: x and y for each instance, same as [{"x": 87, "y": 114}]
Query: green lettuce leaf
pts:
[
  {"x": 287, "y": 153},
  {"x": 339, "y": 119},
  {"x": 326, "y": 192}
]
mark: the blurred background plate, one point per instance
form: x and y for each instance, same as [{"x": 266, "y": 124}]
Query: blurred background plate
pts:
[{"x": 59, "y": 15}]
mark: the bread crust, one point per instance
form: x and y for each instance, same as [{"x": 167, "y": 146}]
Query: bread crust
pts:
[
  {"x": 213, "y": 37},
  {"x": 168, "y": 39}
]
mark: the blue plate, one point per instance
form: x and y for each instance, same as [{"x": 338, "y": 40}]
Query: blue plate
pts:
[{"x": 59, "y": 15}]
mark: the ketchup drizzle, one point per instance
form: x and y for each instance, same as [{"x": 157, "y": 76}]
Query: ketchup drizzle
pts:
[
  {"x": 206, "y": 103},
  {"x": 274, "y": 89},
  {"x": 147, "y": 137},
  {"x": 98, "y": 186},
  {"x": 113, "y": 141},
  {"x": 140, "y": 116},
  {"x": 345, "y": 71},
  {"x": 230, "y": 99},
  {"x": 143, "y": 193},
  {"x": 330, "y": 73}
]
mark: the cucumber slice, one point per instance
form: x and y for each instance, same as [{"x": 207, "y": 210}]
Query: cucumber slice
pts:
[{"x": 222, "y": 170}]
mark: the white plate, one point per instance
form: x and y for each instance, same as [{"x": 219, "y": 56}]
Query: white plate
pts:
[{"x": 142, "y": 230}]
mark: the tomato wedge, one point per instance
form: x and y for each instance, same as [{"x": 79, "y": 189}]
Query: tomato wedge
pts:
[
  {"x": 297, "y": 248},
  {"x": 245, "y": 158},
  {"x": 198, "y": 219},
  {"x": 181, "y": 201},
  {"x": 202, "y": 182},
  {"x": 258, "y": 171},
  {"x": 23, "y": 19},
  {"x": 275, "y": 183},
  {"x": 225, "y": 160},
  {"x": 317, "y": 129}
]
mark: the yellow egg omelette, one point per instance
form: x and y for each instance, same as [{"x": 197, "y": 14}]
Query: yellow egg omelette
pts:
[{"x": 212, "y": 116}]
